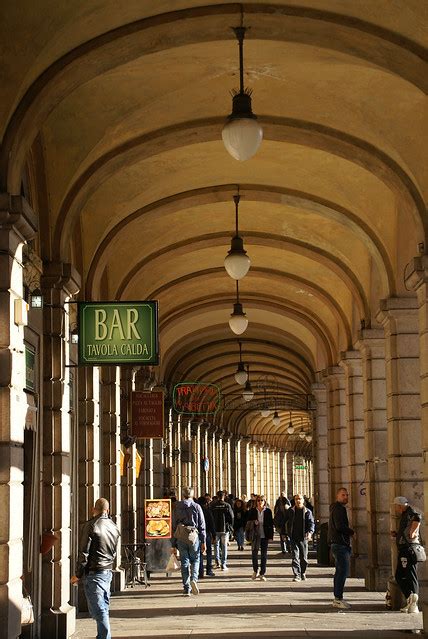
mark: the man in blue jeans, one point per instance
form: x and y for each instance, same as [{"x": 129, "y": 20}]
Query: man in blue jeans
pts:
[
  {"x": 339, "y": 536},
  {"x": 189, "y": 514},
  {"x": 97, "y": 552}
]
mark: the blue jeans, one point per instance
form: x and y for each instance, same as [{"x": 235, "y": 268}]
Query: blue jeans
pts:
[
  {"x": 239, "y": 537},
  {"x": 342, "y": 559},
  {"x": 299, "y": 556},
  {"x": 189, "y": 556},
  {"x": 221, "y": 540},
  {"x": 97, "y": 591}
]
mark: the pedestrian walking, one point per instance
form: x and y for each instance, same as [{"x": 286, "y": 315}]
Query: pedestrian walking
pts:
[
  {"x": 188, "y": 524},
  {"x": 261, "y": 515},
  {"x": 239, "y": 521},
  {"x": 97, "y": 553},
  {"x": 339, "y": 537},
  {"x": 300, "y": 528},
  {"x": 210, "y": 538},
  {"x": 280, "y": 516},
  {"x": 223, "y": 523},
  {"x": 407, "y": 538}
]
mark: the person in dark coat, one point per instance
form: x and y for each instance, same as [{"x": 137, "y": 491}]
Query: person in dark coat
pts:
[
  {"x": 239, "y": 521},
  {"x": 223, "y": 522},
  {"x": 339, "y": 538},
  {"x": 261, "y": 515},
  {"x": 406, "y": 574},
  {"x": 300, "y": 527},
  {"x": 210, "y": 537},
  {"x": 280, "y": 516}
]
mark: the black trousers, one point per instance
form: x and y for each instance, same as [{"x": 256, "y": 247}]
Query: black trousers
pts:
[
  {"x": 299, "y": 556},
  {"x": 406, "y": 574}
]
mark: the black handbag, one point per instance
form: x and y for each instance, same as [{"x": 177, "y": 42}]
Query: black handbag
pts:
[{"x": 418, "y": 552}]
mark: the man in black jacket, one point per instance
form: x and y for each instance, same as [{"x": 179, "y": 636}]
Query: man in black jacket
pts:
[
  {"x": 223, "y": 524},
  {"x": 300, "y": 527},
  {"x": 407, "y": 536},
  {"x": 339, "y": 537},
  {"x": 97, "y": 552}
]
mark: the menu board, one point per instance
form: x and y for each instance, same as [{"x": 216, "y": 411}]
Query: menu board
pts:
[{"x": 157, "y": 518}]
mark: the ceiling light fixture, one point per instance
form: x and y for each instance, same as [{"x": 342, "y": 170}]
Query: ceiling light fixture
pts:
[
  {"x": 241, "y": 374},
  {"x": 276, "y": 420},
  {"x": 308, "y": 438},
  {"x": 248, "y": 393},
  {"x": 290, "y": 429},
  {"x": 238, "y": 321},
  {"x": 242, "y": 134},
  {"x": 237, "y": 262},
  {"x": 265, "y": 411}
]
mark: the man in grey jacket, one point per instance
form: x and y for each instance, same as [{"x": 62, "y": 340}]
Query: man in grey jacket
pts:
[{"x": 188, "y": 513}]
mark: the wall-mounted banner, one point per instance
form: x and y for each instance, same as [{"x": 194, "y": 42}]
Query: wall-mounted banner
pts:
[
  {"x": 147, "y": 418},
  {"x": 118, "y": 333},
  {"x": 196, "y": 398}
]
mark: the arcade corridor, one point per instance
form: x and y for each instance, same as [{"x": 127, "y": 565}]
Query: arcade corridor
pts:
[{"x": 213, "y": 272}]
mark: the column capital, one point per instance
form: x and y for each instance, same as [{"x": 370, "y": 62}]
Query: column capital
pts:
[
  {"x": 416, "y": 272},
  {"x": 395, "y": 307},
  {"x": 331, "y": 372},
  {"x": 17, "y": 215},
  {"x": 61, "y": 276}
]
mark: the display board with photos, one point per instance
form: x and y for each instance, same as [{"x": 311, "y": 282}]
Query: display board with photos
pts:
[{"x": 157, "y": 518}]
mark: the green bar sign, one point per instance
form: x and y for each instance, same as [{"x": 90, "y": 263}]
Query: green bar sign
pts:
[{"x": 118, "y": 333}]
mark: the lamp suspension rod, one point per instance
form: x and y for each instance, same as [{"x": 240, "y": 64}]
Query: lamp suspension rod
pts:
[
  {"x": 240, "y": 34},
  {"x": 240, "y": 350},
  {"x": 237, "y": 292},
  {"x": 236, "y": 199}
]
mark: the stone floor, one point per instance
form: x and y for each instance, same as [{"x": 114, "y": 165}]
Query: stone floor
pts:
[{"x": 231, "y": 605}]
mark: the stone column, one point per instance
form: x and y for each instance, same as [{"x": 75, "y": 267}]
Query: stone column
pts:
[
  {"x": 283, "y": 463},
  {"x": 352, "y": 366},
  {"x": 337, "y": 432},
  {"x": 128, "y": 479},
  {"x": 399, "y": 317},
  {"x": 244, "y": 467},
  {"x": 59, "y": 282},
  {"x": 228, "y": 466},
  {"x": 290, "y": 474},
  {"x": 417, "y": 279},
  {"x": 371, "y": 344},
  {"x": 17, "y": 224},
  {"x": 322, "y": 494}
]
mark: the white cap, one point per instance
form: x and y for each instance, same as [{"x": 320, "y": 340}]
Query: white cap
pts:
[{"x": 401, "y": 501}]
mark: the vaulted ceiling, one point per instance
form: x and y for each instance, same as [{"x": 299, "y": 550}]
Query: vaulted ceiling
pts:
[{"x": 114, "y": 111}]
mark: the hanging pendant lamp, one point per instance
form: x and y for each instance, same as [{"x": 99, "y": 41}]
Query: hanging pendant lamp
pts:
[
  {"x": 237, "y": 261},
  {"x": 241, "y": 374},
  {"x": 248, "y": 392},
  {"x": 238, "y": 321},
  {"x": 242, "y": 134},
  {"x": 276, "y": 420},
  {"x": 290, "y": 429}
]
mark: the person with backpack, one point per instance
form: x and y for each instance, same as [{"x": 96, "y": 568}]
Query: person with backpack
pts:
[
  {"x": 223, "y": 524},
  {"x": 188, "y": 524}
]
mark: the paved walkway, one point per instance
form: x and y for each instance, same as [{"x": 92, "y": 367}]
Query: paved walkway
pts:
[{"x": 233, "y": 606}]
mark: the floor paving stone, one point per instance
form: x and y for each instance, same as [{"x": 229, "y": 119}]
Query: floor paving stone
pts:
[{"x": 231, "y": 605}]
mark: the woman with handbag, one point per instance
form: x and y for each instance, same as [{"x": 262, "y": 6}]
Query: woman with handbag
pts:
[
  {"x": 262, "y": 532},
  {"x": 408, "y": 540}
]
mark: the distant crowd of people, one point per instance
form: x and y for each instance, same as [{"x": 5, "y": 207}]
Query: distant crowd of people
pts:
[{"x": 198, "y": 525}]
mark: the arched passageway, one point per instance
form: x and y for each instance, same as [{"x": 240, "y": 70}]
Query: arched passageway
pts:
[{"x": 116, "y": 187}]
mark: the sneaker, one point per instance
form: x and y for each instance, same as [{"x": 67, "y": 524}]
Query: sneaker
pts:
[
  {"x": 225, "y": 568},
  {"x": 211, "y": 574},
  {"x": 341, "y": 603},
  {"x": 262, "y": 578},
  {"x": 303, "y": 577},
  {"x": 217, "y": 565},
  {"x": 194, "y": 587},
  {"x": 255, "y": 575},
  {"x": 297, "y": 578},
  {"x": 413, "y": 603},
  {"x": 187, "y": 593}
]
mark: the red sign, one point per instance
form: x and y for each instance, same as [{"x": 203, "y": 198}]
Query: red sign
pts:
[
  {"x": 147, "y": 418},
  {"x": 196, "y": 397}
]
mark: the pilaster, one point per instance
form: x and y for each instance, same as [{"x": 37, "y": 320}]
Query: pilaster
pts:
[
  {"x": 17, "y": 225},
  {"x": 59, "y": 282},
  {"x": 321, "y": 465},
  {"x": 338, "y": 451},
  {"x": 354, "y": 414},
  {"x": 371, "y": 344}
]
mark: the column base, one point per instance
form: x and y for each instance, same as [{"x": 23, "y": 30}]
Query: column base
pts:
[
  {"x": 118, "y": 580},
  {"x": 59, "y": 624},
  {"x": 359, "y": 566},
  {"x": 376, "y": 577},
  {"x": 397, "y": 598}
]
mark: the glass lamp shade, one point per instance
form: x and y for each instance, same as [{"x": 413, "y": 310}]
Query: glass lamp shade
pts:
[
  {"x": 248, "y": 393},
  {"x": 308, "y": 438},
  {"x": 265, "y": 412},
  {"x": 241, "y": 374},
  {"x": 242, "y": 137},
  {"x": 238, "y": 322},
  {"x": 302, "y": 435},
  {"x": 276, "y": 420},
  {"x": 237, "y": 263},
  {"x": 290, "y": 430}
]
